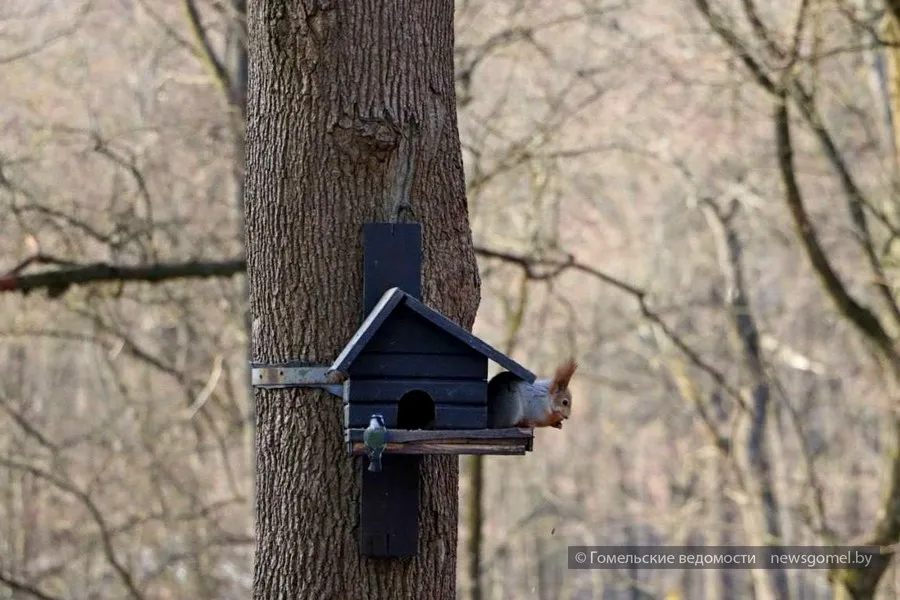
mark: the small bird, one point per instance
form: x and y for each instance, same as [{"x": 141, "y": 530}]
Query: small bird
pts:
[{"x": 375, "y": 439}]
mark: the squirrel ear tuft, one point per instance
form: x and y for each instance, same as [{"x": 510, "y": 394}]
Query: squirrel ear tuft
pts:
[{"x": 563, "y": 375}]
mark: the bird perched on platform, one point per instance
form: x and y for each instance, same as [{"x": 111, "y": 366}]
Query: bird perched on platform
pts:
[{"x": 375, "y": 439}]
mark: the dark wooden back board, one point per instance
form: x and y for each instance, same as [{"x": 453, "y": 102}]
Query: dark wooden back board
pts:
[
  {"x": 389, "y": 502},
  {"x": 393, "y": 258}
]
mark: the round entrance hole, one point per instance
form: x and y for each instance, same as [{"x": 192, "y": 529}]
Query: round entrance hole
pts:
[{"x": 415, "y": 411}]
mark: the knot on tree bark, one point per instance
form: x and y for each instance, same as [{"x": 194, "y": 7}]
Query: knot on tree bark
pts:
[{"x": 370, "y": 137}]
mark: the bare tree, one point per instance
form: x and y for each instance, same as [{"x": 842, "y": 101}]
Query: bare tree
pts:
[{"x": 360, "y": 126}]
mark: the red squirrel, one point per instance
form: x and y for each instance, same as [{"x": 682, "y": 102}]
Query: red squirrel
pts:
[{"x": 544, "y": 403}]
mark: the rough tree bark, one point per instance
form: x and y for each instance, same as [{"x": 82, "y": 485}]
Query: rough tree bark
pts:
[{"x": 348, "y": 103}]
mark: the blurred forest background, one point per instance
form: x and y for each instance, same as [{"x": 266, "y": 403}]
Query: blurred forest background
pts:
[{"x": 695, "y": 198}]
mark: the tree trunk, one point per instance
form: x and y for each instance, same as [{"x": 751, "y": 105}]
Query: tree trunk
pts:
[
  {"x": 719, "y": 583},
  {"x": 760, "y": 511},
  {"x": 890, "y": 33},
  {"x": 475, "y": 518},
  {"x": 348, "y": 104},
  {"x": 514, "y": 318}
]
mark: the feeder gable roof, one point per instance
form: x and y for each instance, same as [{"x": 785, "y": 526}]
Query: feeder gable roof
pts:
[{"x": 390, "y": 302}]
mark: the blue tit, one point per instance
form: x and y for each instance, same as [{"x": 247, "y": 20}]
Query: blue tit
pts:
[{"x": 375, "y": 439}]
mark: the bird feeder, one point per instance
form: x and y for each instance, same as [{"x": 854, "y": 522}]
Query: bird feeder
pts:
[
  {"x": 424, "y": 374},
  {"x": 427, "y": 377}
]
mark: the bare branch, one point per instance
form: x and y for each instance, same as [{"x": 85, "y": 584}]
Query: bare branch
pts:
[
  {"x": 798, "y": 32},
  {"x": 760, "y": 30},
  {"x": 856, "y": 202},
  {"x": 737, "y": 46},
  {"x": 638, "y": 294},
  {"x": 26, "y": 426},
  {"x": 23, "y": 588},
  {"x": 105, "y": 535},
  {"x": 687, "y": 389},
  {"x": 816, "y": 489},
  {"x": 860, "y": 316},
  {"x": 220, "y": 73},
  {"x": 863, "y": 581},
  {"x": 51, "y": 39},
  {"x": 38, "y": 259},
  {"x": 57, "y": 282},
  {"x": 170, "y": 31},
  {"x": 530, "y": 265}
]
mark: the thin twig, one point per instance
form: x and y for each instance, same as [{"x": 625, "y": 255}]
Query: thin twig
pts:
[{"x": 528, "y": 264}]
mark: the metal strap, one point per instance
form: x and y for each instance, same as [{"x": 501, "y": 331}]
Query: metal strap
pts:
[{"x": 294, "y": 374}]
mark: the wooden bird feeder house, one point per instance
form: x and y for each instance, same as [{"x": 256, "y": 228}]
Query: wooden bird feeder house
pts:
[{"x": 425, "y": 375}]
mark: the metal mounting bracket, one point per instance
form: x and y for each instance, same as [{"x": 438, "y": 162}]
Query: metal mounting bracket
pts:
[{"x": 296, "y": 374}]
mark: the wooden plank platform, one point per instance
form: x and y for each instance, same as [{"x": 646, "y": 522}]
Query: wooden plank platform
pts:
[{"x": 513, "y": 441}]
